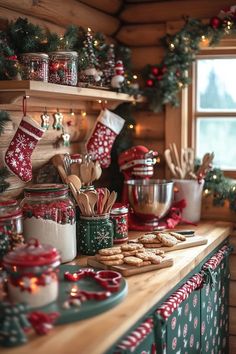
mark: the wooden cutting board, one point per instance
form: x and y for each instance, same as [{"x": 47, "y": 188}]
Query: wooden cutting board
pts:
[
  {"x": 189, "y": 242},
  {"x": 126, "y": 270}
]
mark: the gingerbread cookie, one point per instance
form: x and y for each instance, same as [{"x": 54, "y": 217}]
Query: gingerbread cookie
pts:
[
  {"x": 132, "y": 253},
  {"x": 133, "y": 260},
  {"x": 131, "y": 247},
  {"x": 166, "y": 239},
  {"x": 153, "y": 245},
  {"x": 113, "y": 262},
  {"x": 109, "y": 258},
  {"x": 178, "y": 236},
  {"x": 109, "y": 251},
  {"x": 148, "y": 238}
]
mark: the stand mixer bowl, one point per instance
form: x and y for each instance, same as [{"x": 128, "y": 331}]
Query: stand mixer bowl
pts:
[{"x": 150, "y": 199}]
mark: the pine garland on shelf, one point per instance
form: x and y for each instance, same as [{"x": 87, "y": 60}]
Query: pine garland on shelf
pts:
[
  {"x": 21, "y": 36},
  {"x": 164, "y": 81},
  {"x": 222, "y": 189}
]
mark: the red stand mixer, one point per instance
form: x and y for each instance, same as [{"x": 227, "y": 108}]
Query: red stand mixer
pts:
[{"x": 149, "y": 199}]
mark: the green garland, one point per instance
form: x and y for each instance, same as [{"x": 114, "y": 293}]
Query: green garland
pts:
[
  {"x": 165, "y": 80},
  {"x": 4, "y": 173},
  {"x": 222, "y": 189},
  {"x": 21, "y": 36}
]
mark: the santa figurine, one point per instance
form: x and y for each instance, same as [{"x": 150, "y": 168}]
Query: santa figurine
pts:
[{"x": 118, "y": 78}]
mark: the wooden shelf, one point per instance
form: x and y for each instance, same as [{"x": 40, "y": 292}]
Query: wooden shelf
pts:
[{"x": 12, "y": 91}]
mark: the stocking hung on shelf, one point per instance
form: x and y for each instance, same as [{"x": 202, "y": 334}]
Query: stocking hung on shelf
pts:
[
  {"x": 18, "y": 154},
  {"x": 108, "y": 125}
]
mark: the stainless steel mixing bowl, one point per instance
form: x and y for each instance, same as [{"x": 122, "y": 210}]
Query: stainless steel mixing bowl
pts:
[{"x": 150, "y": 199}]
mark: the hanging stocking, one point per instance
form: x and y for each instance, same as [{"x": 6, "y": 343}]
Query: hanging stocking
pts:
[
  {"x": 19, "y": 152},
  {"x": 99, "y": 144}
]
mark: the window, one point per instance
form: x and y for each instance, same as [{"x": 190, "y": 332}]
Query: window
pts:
[{"x": 214, "y": 111}]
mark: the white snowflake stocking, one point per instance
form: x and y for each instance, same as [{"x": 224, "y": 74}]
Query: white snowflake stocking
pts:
[
  {"x": 18, "y": 155},
  {"x": 108, "y": 125}
]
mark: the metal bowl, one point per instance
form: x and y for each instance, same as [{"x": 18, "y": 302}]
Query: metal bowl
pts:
[{"x": 150, "y": 199}]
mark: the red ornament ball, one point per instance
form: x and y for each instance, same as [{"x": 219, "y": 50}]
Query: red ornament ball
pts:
[
  {"x": 149, "y": 83},
  {"x": 215, "y": 22},
  {"x": 155, "y": 71}
]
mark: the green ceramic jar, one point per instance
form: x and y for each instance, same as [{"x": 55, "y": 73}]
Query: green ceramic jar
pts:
[{"x": 94, "y": 233}]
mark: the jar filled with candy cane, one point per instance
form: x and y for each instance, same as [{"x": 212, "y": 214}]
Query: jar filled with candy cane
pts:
[
  {"x": 34, "y": 66},
  {"x": 63, "y": 68}
]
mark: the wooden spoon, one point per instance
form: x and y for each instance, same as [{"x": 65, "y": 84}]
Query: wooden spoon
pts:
[
  {"x": 93, "y": 198},
  {"x": 110, "y": 202},
  {"x": 84, "y": 201},
  {"x": 75, "y": 180},
  {"x": 97, "y": 170}
]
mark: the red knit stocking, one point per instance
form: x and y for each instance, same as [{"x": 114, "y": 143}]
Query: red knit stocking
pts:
[
  {"x": 107, "y": 127},
  {"x": 18, "y": 155}
]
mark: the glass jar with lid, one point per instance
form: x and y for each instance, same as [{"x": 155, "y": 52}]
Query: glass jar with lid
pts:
[
  {"x": 11, "y": 226},
  {"x": 119, "y": 217},
  {"x": 63, "y": 68},
  {"x": 32, "y": 273},
  {"x": 49, "y": 216},
  {"x": 34, "y": 66}
]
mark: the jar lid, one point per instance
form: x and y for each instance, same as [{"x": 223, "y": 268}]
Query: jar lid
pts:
[
  {"x": 41, "y": 55},
  {"x": 64, "y": 53},
  {"x": 46, "y": 188},
  {"x": 119, "y": 208},
  {"x": 32, "y": 254},
  {"x": 9, "y": 209}
]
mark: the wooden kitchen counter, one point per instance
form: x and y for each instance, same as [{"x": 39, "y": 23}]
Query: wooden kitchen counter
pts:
[{"x": 97, "y": 334}]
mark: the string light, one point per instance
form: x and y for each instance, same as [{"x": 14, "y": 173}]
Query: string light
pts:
[
  {"x": 206, "y": 191},
  {"x": 83, "y": 114},
  {"x": 214, "y": 177},
  {"x": 72, "y": 113}
]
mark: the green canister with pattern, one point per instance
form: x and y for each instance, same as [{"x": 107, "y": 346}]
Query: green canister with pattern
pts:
[
  {"x": 94, "y": 233},
  {"x": 119, "y": 217}
]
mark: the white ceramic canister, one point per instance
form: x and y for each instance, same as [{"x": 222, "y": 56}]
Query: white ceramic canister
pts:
[{"x": 32, "y": 275}]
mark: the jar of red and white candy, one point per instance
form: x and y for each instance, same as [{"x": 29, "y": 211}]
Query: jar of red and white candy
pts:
[
  {"x": 32, "y": 274},
  {"x": 49, "y": 216},
  {"x": 11, "y": 226}
]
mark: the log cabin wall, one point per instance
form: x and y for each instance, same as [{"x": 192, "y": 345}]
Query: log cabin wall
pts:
[
  {"x": 56, "y": 15},
  {"x": 140, "y": 25}
]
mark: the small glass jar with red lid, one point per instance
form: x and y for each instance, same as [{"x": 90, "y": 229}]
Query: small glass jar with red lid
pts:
[
  {"x": 32, "y": 274},
  {"x": 11, "y": 226},
  {"x": 49, "y": 216}
]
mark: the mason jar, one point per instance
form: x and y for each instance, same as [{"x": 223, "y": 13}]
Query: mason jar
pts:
[
  {"x": 63, "y": 68},
  {"x": 49, "y": 216},
  {"x": 94, "y": 233},
  {"x": 11, "y": 226},
  {"x": 119, "y": 217},
  {"x": 32, "y": 274},
  {"x": 34, "y": 66}
]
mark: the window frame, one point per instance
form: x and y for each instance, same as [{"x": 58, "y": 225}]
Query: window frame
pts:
[{"x": 218, "y": 52}]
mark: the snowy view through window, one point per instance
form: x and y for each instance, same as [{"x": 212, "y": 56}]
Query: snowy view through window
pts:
[{"x": 216, "y": 93}]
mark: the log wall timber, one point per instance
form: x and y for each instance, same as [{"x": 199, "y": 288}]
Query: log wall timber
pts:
[
  {"x": 107, "y": 6},
  {"x": 11, "y": 15},
  {"x": 146, "y": 55},
  {"x": 172, "y": 10},
  {"x": 62, "y": 14},
  {"x": 141, "y": 35}
]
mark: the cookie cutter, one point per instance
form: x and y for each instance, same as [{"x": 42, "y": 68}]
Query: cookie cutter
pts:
[{"x": 108, "y": 279}]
